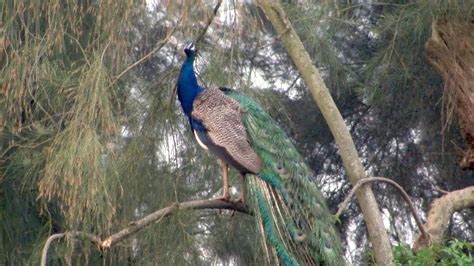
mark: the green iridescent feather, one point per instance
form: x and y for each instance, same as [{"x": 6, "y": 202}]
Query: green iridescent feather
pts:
[{"x": 296, "y": 221}]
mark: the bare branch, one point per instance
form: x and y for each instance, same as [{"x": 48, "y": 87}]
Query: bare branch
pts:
[
  {"x": 156, "y": 216},
  {"x": 440, "y": 190},
  {"x": 145, "y": 221},
  {"x": 405, "y": 196},
  {"x": 440, "y": 214},
  {"x": 73, "y": 234},
  {"x": 203, "y": 32},
  {"x": 44, "y": 254},
  {"x": 147, "y": 56},
  {"x": 209, "y": 21}
]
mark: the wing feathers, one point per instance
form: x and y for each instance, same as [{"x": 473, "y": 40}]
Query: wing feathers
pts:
[{"x": 221, "y": 116}]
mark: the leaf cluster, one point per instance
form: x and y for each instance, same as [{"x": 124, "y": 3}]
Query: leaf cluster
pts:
[{"x": 455, "y": 252}]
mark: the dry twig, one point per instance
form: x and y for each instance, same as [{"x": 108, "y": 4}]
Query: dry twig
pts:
[{"x": 405, "y": 196}]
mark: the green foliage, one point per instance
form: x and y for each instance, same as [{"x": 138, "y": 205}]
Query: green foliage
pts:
[
  {"x": 398, "y": 62},
  {"x": 59, "y": 110},
  {"x": 456, "y": 252}
]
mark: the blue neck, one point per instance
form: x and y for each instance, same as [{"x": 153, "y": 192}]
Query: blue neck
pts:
[{"x": 188, "y": 87}]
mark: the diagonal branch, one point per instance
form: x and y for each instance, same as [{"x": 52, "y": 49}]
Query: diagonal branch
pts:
[
  {"x": 210, "y": 18},
  {"x": 136, "y": 226},
  {"x": 203, "y": 32},
  {"x": 158, "y": 215},
  {"x": 350, "y": 158},
  {"x": 152, "y": 52}
]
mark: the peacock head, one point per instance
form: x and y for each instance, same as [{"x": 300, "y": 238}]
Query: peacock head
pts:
[{"x": 190, "y": 49}]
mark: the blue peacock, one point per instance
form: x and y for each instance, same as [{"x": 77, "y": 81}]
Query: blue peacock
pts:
[{"x": 290, "y": 210}]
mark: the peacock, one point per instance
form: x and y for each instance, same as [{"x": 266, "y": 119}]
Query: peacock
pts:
[{"x": 290, "y": 210}]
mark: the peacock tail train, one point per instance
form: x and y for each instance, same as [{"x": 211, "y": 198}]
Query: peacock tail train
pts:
[{"x": 291, "y": 211}]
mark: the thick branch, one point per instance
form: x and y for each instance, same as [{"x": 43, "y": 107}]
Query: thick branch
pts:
[
  {"x": 405, "y": 196},
  {"x": 350, "y": 157},
  {"x": 145, "y": 221},
  {"x": 440, "y": 214}
]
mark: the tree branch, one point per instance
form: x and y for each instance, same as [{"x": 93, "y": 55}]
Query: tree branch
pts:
[
  {"x": 135, "y": 226},
  {"x": 158, "y": 215},
  {"x": 209, "y": 21},
  {"x": 73, "y": 234},
  {"x": 203, "y": 32},
  {"x": 44, "y": 254},
  {"x": 352, "y": 163},
  {"x": 152, "y": 52},
  {"x": 440, "y": 214},
  {"x": 405, "y": 196}
]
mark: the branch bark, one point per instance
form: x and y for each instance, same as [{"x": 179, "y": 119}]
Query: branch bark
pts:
[
  {"x": 136, "y": 226},
  {"x": 322, "y": 97},
  {"x": 44, "y": 254},
  {"x": 158, "y": 215},
  {"x": 73, "y": 234},
  {"x": 440, "y": 214}
]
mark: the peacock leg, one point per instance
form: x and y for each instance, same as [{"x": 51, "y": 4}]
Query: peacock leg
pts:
[
  {"x": 241, "y": 199},
  {"x": 225, "y": 170}
]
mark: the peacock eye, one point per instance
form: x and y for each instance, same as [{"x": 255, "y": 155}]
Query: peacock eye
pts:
[{"x": 327, "y": 245}]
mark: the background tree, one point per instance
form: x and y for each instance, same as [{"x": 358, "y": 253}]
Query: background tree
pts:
[{"x": 91, "y": 139}]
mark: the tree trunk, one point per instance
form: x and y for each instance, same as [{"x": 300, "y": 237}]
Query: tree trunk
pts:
[
  {"x": 451, "y": 52},
  {"x": 322, "y": 97}
]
